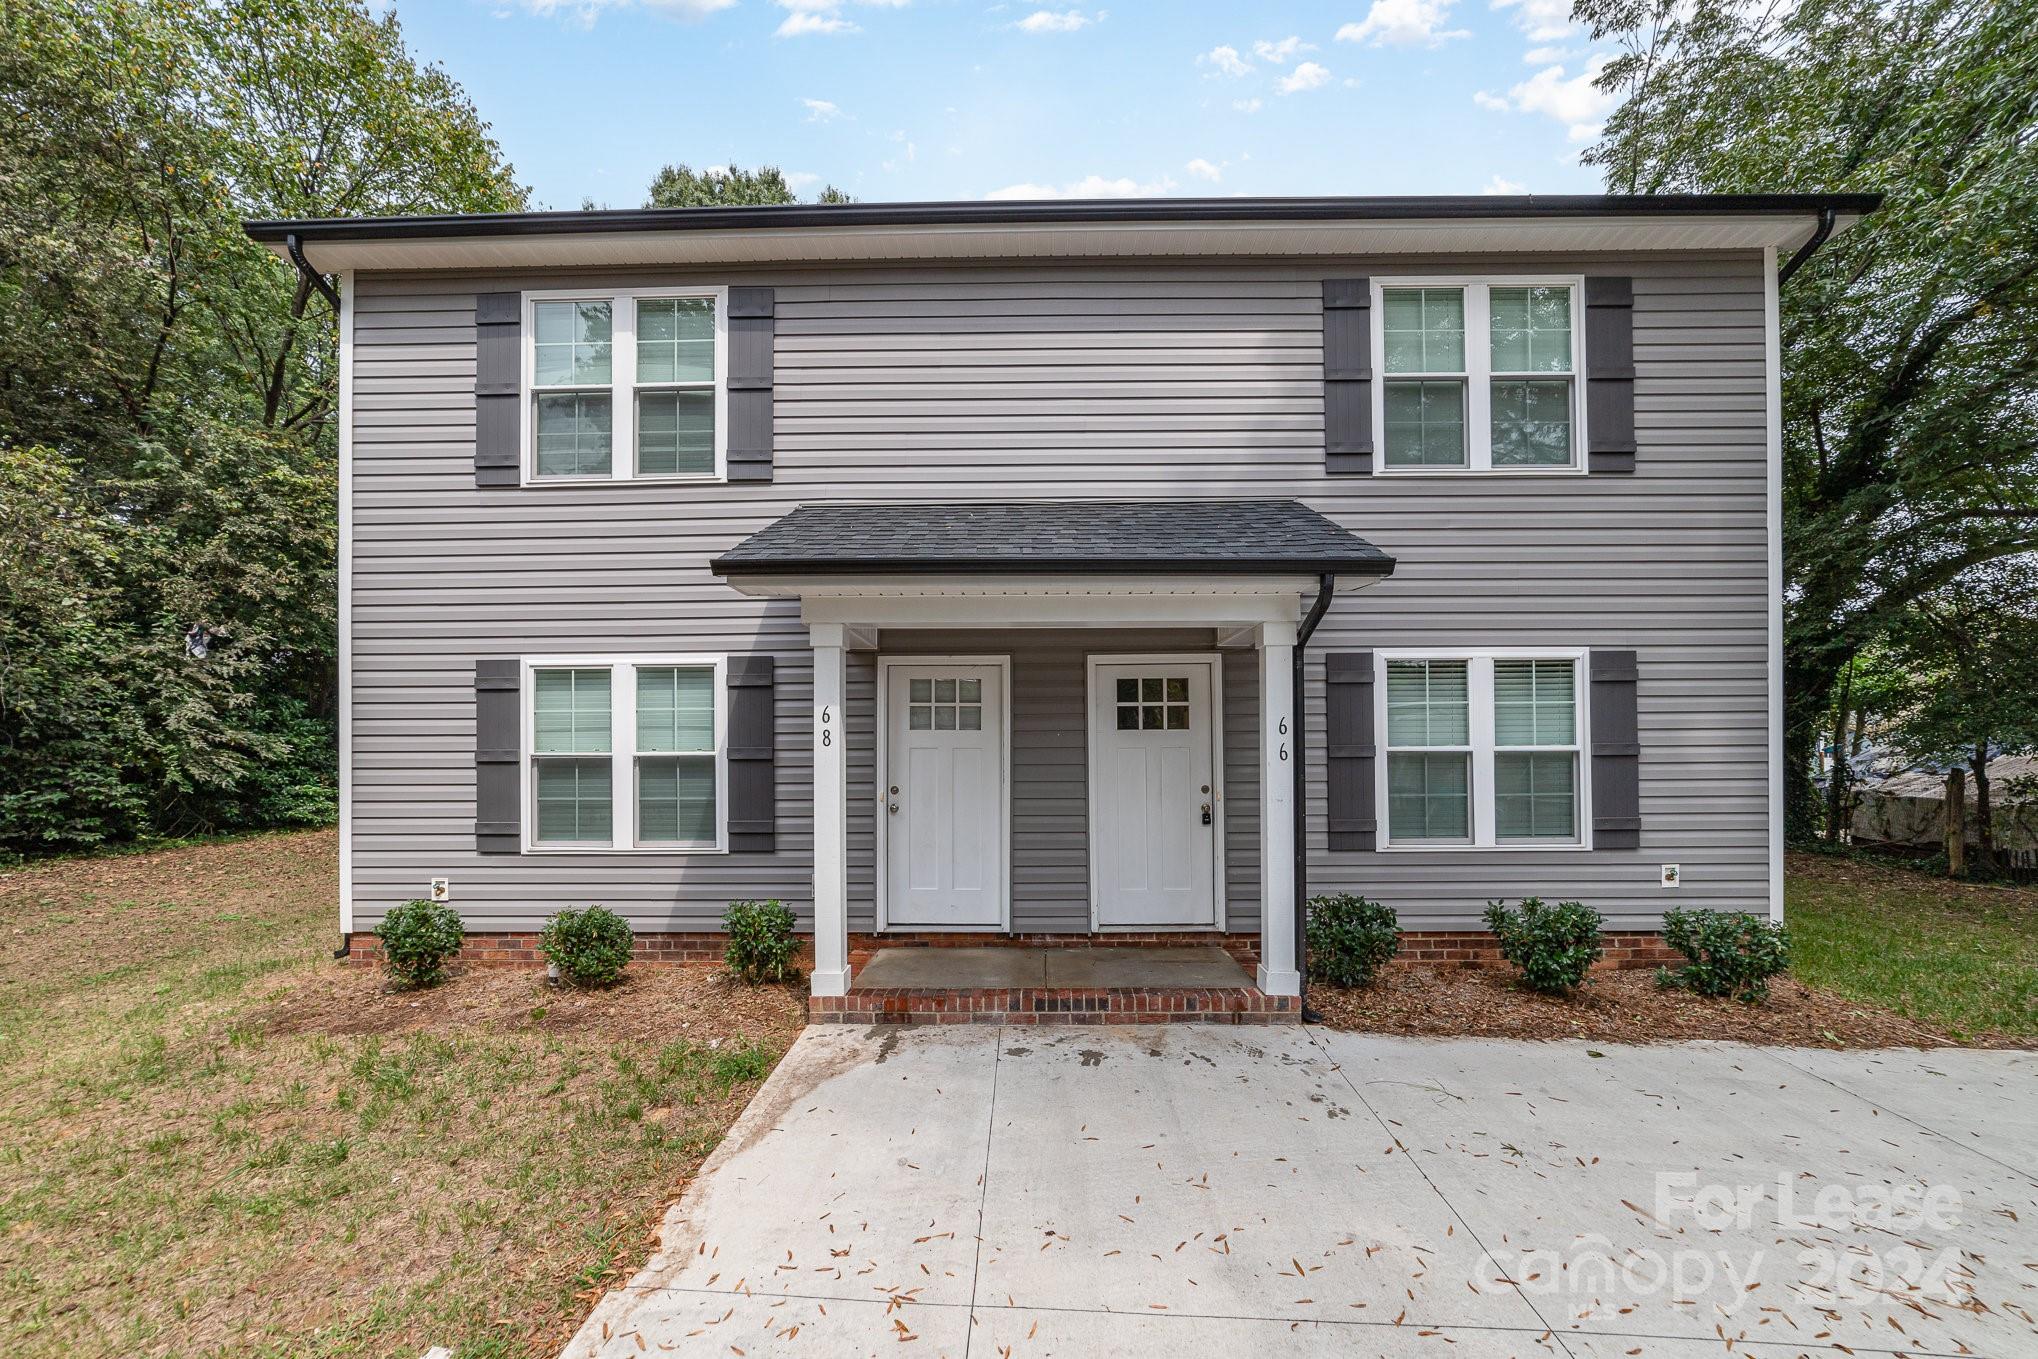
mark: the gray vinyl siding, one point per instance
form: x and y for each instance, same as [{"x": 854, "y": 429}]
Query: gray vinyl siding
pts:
[{"x": 1200, "y": 379}]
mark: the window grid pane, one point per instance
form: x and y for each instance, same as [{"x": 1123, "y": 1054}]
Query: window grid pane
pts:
[
  {"x": 573, "y": 344},
  {"x": 1428, "y": 703},
  {"x": 676, "y": 339},
  {"x": 1532, "y": 422},
  {"x": 1425, "y": 423},
  {"x": 570, "y": 712},
  {"x": 575, "y": 802},
  {"x": 1424, "y": 329},
  {"x": 945, "y": 705},
  {"x": 1530, "y": 330},
  {"x": 573, "y": 432},
  {"x": 1429, "y": 796},
  {"x": 676, "y": 708},
  {"x": 1535, "y": 795},
  {"x": 676, "y": 432},
  {"x": 1535, "y": 703},
  {"x": 676, "y": 799},
  {"x": 1154, "y": 703}
]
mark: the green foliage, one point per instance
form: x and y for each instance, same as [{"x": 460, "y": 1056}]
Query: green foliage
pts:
[
  {"x": 167, "y": 442},
  {"x": 1967, "y": 658},
  {"x": 1732, "y": 953},
  {"x": 418, "y": 938},
  {"x": 761, "y": 941},
  {"x": 732, "y": 186},
  {"x": 1554, "y": 946},
  {"x": 590, "y": 947},
  {"x": 1350, "y": 938},
  {"x": 1910, "y": 341}
]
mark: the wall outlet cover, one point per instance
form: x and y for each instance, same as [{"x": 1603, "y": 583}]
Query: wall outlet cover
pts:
[
  {"x": 442, "y": 889},
  {"x": 1672, "y": 876}
]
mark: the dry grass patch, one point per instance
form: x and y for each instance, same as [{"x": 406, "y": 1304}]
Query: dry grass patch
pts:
[{"x": 214, "y": 1140}]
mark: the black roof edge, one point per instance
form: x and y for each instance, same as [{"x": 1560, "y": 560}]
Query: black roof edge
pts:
[
  {"x": 1380, "y": 565},
  {"x": 1051, "y": 212}
]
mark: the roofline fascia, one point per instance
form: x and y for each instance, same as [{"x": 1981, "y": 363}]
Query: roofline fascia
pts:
[
  {"x": 1130, "y": 212},
  {"x": 1060, "y": 566}
]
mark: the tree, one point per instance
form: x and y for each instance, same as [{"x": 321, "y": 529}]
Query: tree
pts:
[
  {"x": 1969, "y": 656},
  {"x": 1911, "y": 340},
  {"x": 682, "y": 186},
  {"x": 167, "y": 447}
]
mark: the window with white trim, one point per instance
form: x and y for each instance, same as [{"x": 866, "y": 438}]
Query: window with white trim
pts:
[
  {"x": 1478, "y": 377},
  {"x": 627, "y": 754},
  {"x": 625, "y": 385},
  {"x": 1483, "y": 749}
]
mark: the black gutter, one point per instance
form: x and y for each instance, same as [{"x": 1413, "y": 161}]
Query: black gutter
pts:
[
  {"x": 1380, "y": 565},
  {"x": 1326, "y": 586},
  {"x": 798, "y": 216},
  {"x": 295, "y": 245},
  {"x": 1804, "y": 252},
  {"x": 346, "y": 944}
]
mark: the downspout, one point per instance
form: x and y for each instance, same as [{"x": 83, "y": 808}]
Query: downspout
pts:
[
  {"x": 1804, "y": 252},
  {"x": 1326, "y": 586},
  {"x": 346, "y": 944},
  {"x": 310, "y": 275}
]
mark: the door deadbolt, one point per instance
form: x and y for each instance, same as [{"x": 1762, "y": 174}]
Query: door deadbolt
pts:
[{"x": 1206, "y": 813}]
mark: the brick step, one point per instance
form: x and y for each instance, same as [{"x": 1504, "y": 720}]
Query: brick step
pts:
[{"x": 1053, "y": 1005}]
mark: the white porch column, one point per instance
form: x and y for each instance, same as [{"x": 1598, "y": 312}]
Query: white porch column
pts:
[
  {"x": 1279, "y": 750},
  {"x": 831, "y": 827}
]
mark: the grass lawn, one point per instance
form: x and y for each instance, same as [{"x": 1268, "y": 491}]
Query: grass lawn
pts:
[
  {"x": 1960, "y": 957},
  {"x": 216, "y": 1141}
]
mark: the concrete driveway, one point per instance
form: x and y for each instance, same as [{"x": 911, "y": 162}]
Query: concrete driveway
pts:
[{"x": 1201, "y": 1190}]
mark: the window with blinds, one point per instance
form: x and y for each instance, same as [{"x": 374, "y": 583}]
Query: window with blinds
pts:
[{"x": 627, "y": 754}]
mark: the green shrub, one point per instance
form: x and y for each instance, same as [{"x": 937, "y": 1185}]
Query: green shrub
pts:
[
  {"x": 1350, "y": 938},
  {"x": 590, "y": 947},
  {"x": 417, "y": 939},
  {"x": 1554, "y": 946},
  {"x": 1732, "y": 953},
  {"x": 761, "y": 943}
]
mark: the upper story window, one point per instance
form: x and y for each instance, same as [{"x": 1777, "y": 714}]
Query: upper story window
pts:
[
  {"x": 1484, "y": 749},
  {"x": 1478, "y": 377},
  {"x": 625, "y": 385}
]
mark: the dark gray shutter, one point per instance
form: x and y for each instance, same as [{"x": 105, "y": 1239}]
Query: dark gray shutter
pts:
[
  {"x": 753, "y": 733},
  {"x": 498, "y": 758},
  {"x": 1347, "y": 376},
  {"x": 1616, "y": 753},
  {"x": 498, "y": 375},
  {"x": 1610, "y": 374},
  {"x": 1348, "y": 746},
  {"x": 750, "y": 399}
]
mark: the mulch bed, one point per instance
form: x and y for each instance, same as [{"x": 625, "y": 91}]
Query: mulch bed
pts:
[
  {"x": 652, "y": 1005},
  {"x": 1614, "y": 1007}
]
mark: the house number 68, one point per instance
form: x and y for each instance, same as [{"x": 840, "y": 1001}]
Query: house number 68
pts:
[{"x": 827, "y": 726}]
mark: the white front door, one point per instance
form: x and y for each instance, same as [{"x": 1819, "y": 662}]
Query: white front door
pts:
[
  {"x": 941, "y": 795},
  {"x": 1153, "y": 794}
]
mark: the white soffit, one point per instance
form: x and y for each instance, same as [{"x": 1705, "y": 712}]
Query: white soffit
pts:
[{"x": 1109, "y": 240}]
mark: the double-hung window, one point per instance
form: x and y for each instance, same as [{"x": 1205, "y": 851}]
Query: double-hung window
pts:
[
  {"x": 1483, "y": 749},
  {"x": 1478, "y": 377},
  {"x": 626, "y": 753},
  {"x": 626, "y": 385}
]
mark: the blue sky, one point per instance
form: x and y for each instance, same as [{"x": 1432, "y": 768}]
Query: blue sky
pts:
[{"x": 950, "y": 99}]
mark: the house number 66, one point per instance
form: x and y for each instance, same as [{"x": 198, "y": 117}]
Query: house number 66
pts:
[{"x": 1282, "y": 728}]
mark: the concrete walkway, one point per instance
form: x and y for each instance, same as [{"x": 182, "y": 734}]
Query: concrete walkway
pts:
[{"x": 1192, "y": 1191}]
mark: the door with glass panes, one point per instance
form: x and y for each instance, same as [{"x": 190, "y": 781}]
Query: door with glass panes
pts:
[
  {"x": 941, "y": 795},
  {"x": 1153, "y": 794}
]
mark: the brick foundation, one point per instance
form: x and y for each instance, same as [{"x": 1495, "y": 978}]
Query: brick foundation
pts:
[
  {"x": 1432, "y": 948},
  {"x": 1066, "y": 1005}
]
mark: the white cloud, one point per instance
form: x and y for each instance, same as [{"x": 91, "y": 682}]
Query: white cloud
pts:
[
  {"x": 1571, "y": 100},
  {"x": 586, "y": 12},
  {"x": 806, "y": 17},
  {"x": 1492, "y": 103},
  {"x": 1497, "y": 185},
  {"x": 801, "y": 179},
  {"x": 1307, "y": 76},
  {"x": 1547, "y": 56},
  {"x": 1404, "y": 23},
  {"x": 1048, "y": 21},
  {"x": 1203, "y": 169},
  {"x": 1541, "y": 20},
  {"x": 1227, "y": 60},
  {"x": 1280, "y": 52},
  {"x": 1247, "y": 105},
  {"x": 1092, "y": 186},
  {"x": 821, "y": 110}
]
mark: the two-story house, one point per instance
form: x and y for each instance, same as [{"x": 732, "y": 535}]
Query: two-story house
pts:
[{"x": 1062, "y": 571}]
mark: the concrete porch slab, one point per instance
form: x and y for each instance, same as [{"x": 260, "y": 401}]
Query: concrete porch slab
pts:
[{"x": 1015, "y": 968}]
